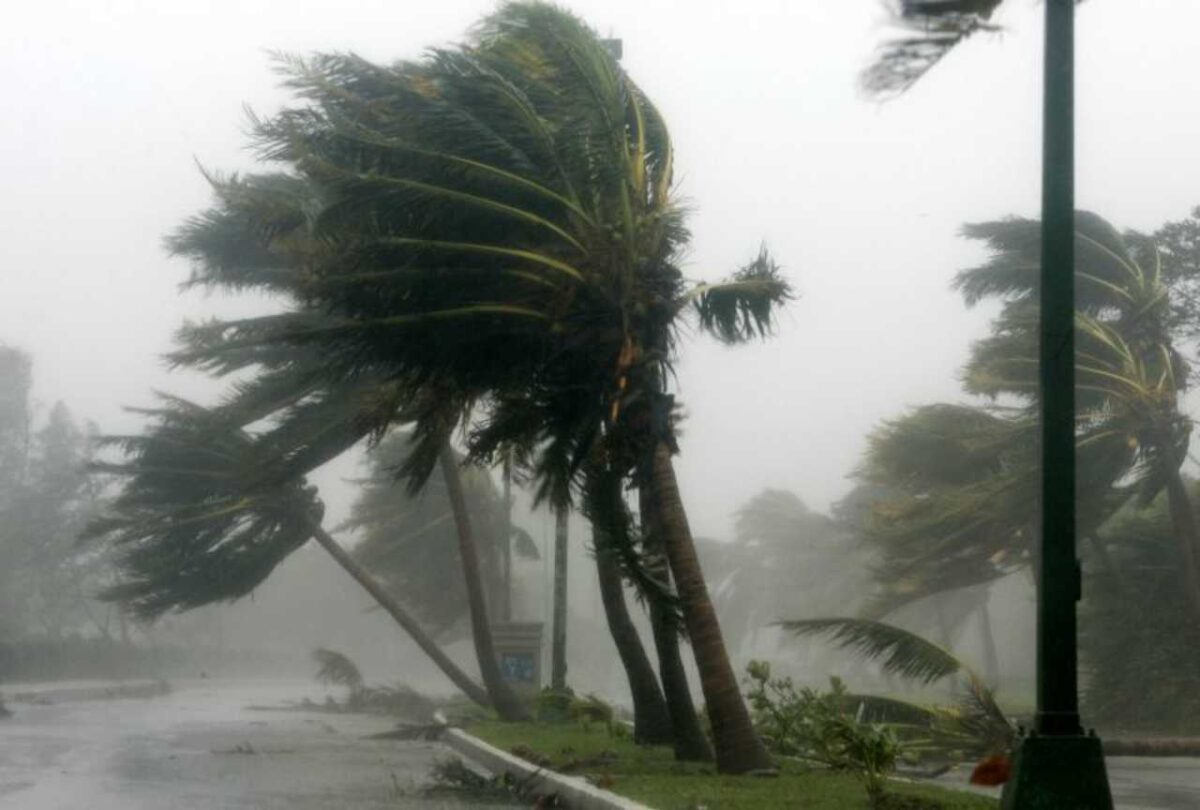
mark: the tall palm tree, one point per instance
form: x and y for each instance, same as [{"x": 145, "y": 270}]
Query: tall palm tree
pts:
[
  {"x": 499, "y": 219},
  {"x": 205, "y": 516}
]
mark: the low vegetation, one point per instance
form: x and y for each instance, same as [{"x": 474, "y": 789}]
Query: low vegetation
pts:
[{"x": 650, "y": 774}]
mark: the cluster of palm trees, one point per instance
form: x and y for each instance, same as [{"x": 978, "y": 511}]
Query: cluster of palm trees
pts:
[
  {"x": 482, "y": 244},
  {"x": 958, "y": 481}
]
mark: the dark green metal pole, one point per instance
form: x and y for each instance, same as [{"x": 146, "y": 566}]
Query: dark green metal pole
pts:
[
  {"x": 1057, "y": 693},
  {"x": 558, "y": 643},
  {"x": 1057, "y": 767}
]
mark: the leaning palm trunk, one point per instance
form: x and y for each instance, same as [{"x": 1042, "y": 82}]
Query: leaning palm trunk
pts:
[
  {"x": 690, "y": 743},
  {"x": 738, "y": 747},
  {"x": 1187, "y": 534},
  {"x": 402, "y": 617},
  {"x": 503, "y": 699},
  {"x": 651, "y": 721}
]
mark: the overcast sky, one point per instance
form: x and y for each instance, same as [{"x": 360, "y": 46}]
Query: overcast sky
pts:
[{"x": 108, "y": 105}]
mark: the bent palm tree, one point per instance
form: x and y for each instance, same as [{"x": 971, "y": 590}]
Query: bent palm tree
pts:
[
  {"x": 959, "y": 479},
  {"x": 204, "y": 516},
  {"x": 1129, "y": 376},
  {"x": 498, "y": 219}
]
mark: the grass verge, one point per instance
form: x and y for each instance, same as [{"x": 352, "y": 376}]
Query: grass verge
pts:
[{"x": 650, "y": 774}]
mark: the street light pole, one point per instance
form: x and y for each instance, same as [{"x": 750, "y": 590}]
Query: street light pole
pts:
[{"x": 1058, "y": 766}]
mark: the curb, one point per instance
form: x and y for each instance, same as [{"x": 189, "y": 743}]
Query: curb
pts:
[
  {"x": 49, "y": 695},
  {"x": 575, "y": 792}
]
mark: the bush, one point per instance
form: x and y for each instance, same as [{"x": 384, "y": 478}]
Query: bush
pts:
[
  {"x": 554, "y": 705},
  {"x": 804, "y": 722}
]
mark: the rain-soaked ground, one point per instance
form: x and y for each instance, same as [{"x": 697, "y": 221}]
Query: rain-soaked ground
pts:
[{"x": 203, "y": 747}]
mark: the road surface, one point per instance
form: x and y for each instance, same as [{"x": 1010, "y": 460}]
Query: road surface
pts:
[
  {"x": 202, "y": 747},
  {"x": 1138, "y": 783}
]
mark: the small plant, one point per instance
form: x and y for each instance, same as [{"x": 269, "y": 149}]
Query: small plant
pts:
[
  {"x": 591, "y": 709},
  {"x": 554, "y": 705},
  {"x": 798, "y": 721},
  {"x": 871, "y": 752},
  {"x": 335, "y": 669},
  {"x": 804, "y": 722}
]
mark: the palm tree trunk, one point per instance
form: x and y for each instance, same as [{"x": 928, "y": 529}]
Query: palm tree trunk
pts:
[
  {"x": 651, "y": 722},
  {"x": 504, "y": 700},
  {"x": 738, "y": 747},
  {"x": 506, "y": 574},
  {"x": 691, "y": 745},
  {"x": 402, "y": 617},
  {"x": 991, "y": 658},
  {"x": 1187, "y": 535},
  {"x": 558, "y": 641}
]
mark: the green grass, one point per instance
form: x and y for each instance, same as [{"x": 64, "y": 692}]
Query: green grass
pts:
[{"x": 650, "y": 774}]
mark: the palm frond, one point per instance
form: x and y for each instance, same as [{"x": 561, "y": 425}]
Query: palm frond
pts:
[
  {"x": 743, "y": 307},
  {"x": 899, "y": 651},
  {"x": 933, "y": 29}
]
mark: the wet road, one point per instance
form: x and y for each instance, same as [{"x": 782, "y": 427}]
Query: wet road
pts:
[
  {"x": 202, "y": 748},
  {"x": 1138, "y": 783}
]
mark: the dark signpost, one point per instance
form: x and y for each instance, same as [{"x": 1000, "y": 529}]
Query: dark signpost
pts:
[{"x": 1057, "y": 766}]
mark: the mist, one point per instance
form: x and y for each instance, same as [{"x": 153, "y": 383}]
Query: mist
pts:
[{"x": 118, "y": 114}]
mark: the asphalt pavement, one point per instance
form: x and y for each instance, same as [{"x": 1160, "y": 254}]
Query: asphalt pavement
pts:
[{"x": 204, "y": 747}]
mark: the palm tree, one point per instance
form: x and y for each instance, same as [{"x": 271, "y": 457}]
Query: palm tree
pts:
[
  {"x": 498, "y": 220},
  {"x": 1129, "y": 375},
  {"x": 207, "y": 512},
  {"x": 958, "y": 479},
  {"x": 319, "y": 416}
]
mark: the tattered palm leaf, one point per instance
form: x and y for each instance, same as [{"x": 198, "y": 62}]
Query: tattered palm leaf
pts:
[{"x": 933, "y": 28}]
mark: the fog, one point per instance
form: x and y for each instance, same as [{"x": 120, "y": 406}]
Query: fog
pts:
[
  {"x": 112, "y": 108},
  {"x": 112, "y": 105}
]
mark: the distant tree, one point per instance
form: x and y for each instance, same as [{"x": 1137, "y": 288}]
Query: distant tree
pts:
[
  {"x": 959, "y": 479},
  {"x": 16, "y": 414},
  {"x": 1139, "y": 640},
  {"x": 408, "y": 540},
  {"x": 1175, "y": 247},
  {"x": 46, "y": 581},
  {"x": 784, "y": 560}
]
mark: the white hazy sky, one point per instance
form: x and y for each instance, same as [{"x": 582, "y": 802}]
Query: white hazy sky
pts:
[{"x": 107, "y": 104}]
